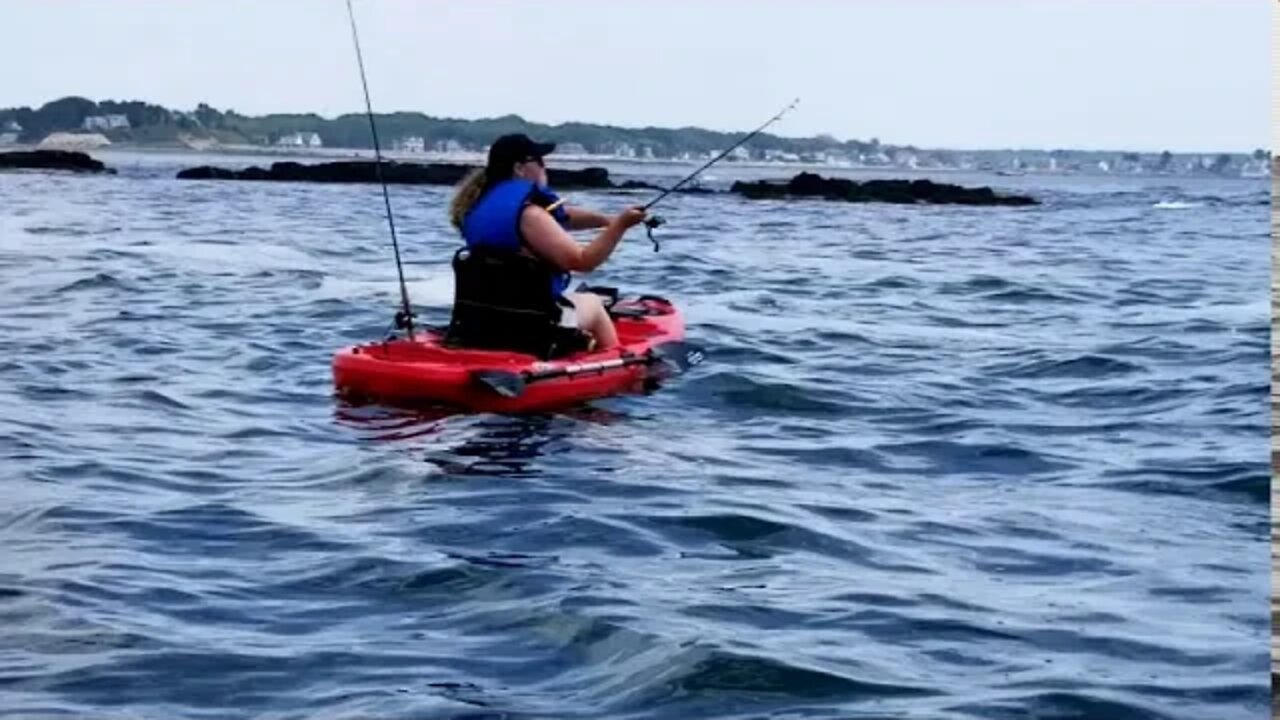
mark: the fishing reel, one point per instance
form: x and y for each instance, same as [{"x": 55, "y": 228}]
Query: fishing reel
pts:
[{"x": 652, "y": 223}]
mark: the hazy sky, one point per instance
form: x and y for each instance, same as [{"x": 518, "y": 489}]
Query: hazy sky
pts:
[{"x": 1141, "y": 74}]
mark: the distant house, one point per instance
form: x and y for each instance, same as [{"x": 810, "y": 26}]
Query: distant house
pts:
[
  {"x": 12, "y": 127},
  {"x": 106, "y": 122},
  {"x": 300, "y": 139},
  {"x": 8, "y": 138},
  {"x": 622, "y": 150},
  {"x": 1250, "y": 169},
  {"x": 449, "y": 146},
  {"x": 571, "y": 148},
  {"x": 414, "y": 144}
]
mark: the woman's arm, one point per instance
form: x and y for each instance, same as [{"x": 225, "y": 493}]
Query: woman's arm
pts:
[
  {"x": 551, "y": 242},
  {"x": 580, "y": 219}
]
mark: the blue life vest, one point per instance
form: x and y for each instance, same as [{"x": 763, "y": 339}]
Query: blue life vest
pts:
[{"x": 494, "y": 221}]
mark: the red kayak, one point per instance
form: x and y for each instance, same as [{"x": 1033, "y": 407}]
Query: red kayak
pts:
[{"x": 424, "y": 370}]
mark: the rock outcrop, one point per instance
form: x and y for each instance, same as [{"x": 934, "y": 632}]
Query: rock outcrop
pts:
[
  {"x": 810, "y": 185},
  {"x": 52, "y": 160},
  {"x": 393, "y": 172},
  {"x": 687, "y": 190},
  {"x": 804, "y": 185}
]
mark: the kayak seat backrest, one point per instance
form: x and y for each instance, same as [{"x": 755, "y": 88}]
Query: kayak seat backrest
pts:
[{"x": 503, "y": 301}]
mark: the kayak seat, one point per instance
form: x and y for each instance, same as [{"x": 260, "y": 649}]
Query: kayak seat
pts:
[{"x": 503, "y": 301}]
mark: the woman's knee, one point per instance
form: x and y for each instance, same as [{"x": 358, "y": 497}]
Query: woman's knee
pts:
[
  {"x": 588, "y": 307},
  {"x": 593, "y": 318}
]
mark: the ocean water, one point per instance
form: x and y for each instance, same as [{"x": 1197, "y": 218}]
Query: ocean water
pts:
[
  {"x": 941, "y": 462},
  {"x": 1275, "y": 453}
]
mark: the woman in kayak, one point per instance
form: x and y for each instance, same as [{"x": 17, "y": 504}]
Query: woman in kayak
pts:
[{"x": 507, "y": 204}]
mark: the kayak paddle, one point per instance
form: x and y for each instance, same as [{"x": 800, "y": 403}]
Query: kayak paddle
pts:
[{"x": 676, "y": 354}]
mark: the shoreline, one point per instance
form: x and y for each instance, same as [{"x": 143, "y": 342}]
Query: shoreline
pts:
[{"x": 330, "y": 154}]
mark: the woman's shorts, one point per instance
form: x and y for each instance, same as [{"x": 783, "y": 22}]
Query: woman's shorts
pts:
[{"x": 568, "y": 312}]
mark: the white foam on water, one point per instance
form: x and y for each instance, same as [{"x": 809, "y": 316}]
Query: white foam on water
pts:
[{"x": 426, "y": 289}]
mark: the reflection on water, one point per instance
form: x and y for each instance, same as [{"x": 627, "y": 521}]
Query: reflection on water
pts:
[{"x": 459, "y": 443}]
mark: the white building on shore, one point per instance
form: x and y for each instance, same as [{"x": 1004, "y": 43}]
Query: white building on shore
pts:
[
  {"x": 9, "y": 132},
  {"x": 300, "y": 139},
  {"x": 106, "y": 122},
  {"x": 449, "y": 147},
  {"x": 413, "y": 144},
  {"x": 1255, "y": 169}
]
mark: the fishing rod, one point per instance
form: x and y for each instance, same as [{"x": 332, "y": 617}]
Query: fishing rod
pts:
[
  {"x": 404, "y": 318},
  {"x": 656, "y": 221},
  {"x": 722, "y": 155}
]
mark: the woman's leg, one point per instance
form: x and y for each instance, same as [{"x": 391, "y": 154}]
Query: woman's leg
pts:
[{"x": 593, "y": 318}]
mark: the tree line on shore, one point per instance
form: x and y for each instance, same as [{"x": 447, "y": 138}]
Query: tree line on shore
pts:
[{"x": 145, "y": 123}]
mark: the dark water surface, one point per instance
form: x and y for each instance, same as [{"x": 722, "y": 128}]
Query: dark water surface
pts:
[{"x": 941, "y": 463}]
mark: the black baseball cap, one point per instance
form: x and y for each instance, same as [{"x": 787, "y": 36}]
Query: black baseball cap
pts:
[{"x": 517, "y": 147}]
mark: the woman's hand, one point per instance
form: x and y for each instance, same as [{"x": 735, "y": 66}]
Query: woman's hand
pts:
[{"x": 630, "y": 217}]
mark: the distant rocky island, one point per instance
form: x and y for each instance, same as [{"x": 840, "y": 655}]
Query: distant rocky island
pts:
[
  {"x": 76, "y": 162},
  {"x": 80, "y": 123},
  {"x": 396, "y": 173},
  {"x": 902, "y": 192},
  {"x": 803, "y": 185}
]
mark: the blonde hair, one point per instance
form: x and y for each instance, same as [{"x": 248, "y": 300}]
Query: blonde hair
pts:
[{"x": 468, "y": 192}]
